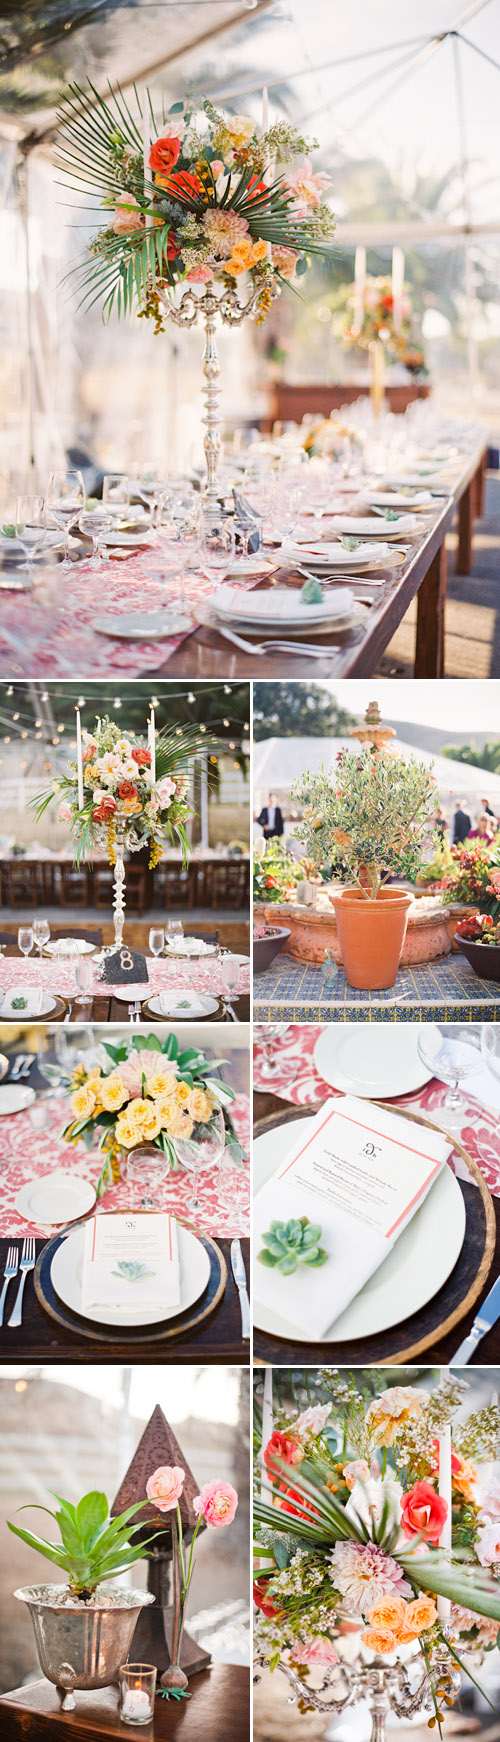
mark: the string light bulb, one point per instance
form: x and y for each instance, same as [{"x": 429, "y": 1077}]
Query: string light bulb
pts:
[
  {"x": 227, "y": 689},
  {"x": 117, "y": 702},
  {"x": 81, "y": 702},
  {"x": 15, "y": 716},
  {"x": 10, "y": 690}
]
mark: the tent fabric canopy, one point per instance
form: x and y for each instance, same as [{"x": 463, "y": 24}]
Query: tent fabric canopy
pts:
[{"x": 280, "y": 761}]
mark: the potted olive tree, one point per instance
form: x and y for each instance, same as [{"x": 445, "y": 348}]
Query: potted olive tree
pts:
[
  {"x": 368, "y": 815},
  {"x": 84, "y": 1628}
]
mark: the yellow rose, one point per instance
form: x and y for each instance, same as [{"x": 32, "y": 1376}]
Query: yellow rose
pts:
[
  {"x": 199, "y": 1104},
  {"x": 179, "y": 1124},
  {"x": 130, "y": 806},
  {"x": 94, "y": 1074},
  {"x": 158, "y": 1084},
  {"x": 150, "y": 1120},
  {"x": 126, "y": 1132},
  {"x": 113, "y": 1092},
  {"x": 165, "y": 1107},
  {"x": 182, "y": 1093},
  {"x": 83, "y": 1101},
  {"x": 239, "y": 130}
]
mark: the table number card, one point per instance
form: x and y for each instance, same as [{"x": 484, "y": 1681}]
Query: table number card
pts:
[
  {"x": 131, "y": 1260},
  {"x": 125, "y": 967},
  {"x": 360, "y": 1175}
]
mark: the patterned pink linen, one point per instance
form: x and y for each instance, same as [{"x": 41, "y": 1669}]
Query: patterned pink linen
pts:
[
  {"x": 58, "y": 976},
  {"x": 25, "y": 1154},
  {"x": 298, "y": 1081}
]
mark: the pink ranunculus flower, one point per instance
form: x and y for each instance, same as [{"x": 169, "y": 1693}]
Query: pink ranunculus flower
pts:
[
  {"x": 128, "y": 215},
  {"x": 216, "y": 1502},
  {"x": 64, "y": 812},
  {"x": 164, "y": 1487},
  {"x": 488, "y": 1544},
  {"x": 200, "y": 275},
  {"x": 491, "y": 1503},
  {"x": 165, "y": 792},
  {"x": 306, "y": 185},
  {"x": 316, "y": 1650}
]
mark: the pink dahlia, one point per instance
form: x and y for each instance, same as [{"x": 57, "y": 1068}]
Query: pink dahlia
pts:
[
  {"x": 365, "y": 1575},
  {"x": 224, "y": 230}
]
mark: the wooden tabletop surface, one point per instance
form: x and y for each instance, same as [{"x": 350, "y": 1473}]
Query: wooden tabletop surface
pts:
[
  {"x": 207, "y": 654},
  {"x": 268, "y": 1351},
  {"x": 216, "y": 1711}
]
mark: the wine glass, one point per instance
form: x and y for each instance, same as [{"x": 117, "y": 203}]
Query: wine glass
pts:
[
  {"x": 149, "y": 1167},
  {"x": 41, "y": 933},
  {"x": 156, "y": 939},
  {"x": 490, "y": 1048},
  {"x": 31, "y": 527},
  {"x": 217, "y": 545},
  {"x": 65, "y": 501},
  {"x": 233, "y": 1186},
  {"x": 452, "y": 1052},
  {"x": 230, "y": 971},
  {"x": 269, "y": 1064},
  {"x": 84, "y": 974},
  {"x": 201, "y": 1151},
  {"x": 115, "y": 492},
  {"x": 95, "y": 526},
  {"x": 174, "y": 930},
  {"x": 25, "y": 939}
]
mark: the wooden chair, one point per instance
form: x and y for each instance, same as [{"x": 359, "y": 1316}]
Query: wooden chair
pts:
[
  {"x": 136, "y": 887},
  {"x": 91, "y": 933},
  {"x": 74, "y": 891},
  {"x": 103, "y": 885},
  {"x": 22, "y": 883},
  {"x": 172, "y": 887},
  {"x": 230, "y": 884}
]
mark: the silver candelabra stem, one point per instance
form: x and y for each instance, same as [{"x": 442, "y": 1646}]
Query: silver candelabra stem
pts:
[
  {"x": 209, "y": 308},
  {"x": 387, "y": 1687},
  {"x": 119, "y": 881}
]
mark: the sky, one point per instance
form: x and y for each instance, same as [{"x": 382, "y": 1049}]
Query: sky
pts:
[
  {"x": 209, "y": 1393},
  {"x": 452, "y": 707}
]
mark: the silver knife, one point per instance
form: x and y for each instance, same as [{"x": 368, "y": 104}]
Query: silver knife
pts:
[
  {"x": 485, "y": 1318},
  {"x": 239, "y": 1273}
]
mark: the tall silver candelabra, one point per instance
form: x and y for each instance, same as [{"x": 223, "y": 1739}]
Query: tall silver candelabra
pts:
[
  {"x": 387, "y": 1687},
  {"x": 209, "y": 308},
  {"x": 124, "y": 837}
]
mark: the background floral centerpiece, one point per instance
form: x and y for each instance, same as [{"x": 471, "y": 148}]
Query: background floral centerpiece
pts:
[
  {"x": 118, "y": 781},
  {"x": 369, "y": 313},
  {"x": 145, "y": 1090},
  {"x": 348, "y": 1535}
]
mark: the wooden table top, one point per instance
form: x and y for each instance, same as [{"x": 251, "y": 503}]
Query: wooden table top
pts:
[
  {"x": 267, "y": 1350},
  {"x": 206, "y": 654},
  {"x": 217, "y": 1711}
]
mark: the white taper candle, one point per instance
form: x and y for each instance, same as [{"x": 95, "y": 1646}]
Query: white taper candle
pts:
[
  {"x": 267, "y": 175},
  {"x": 398, "y": 279},
  {"x": 79, "y": 759},
  {"x": 267, "y": 1427},
  {"x": 152, "y": 745},
  {"x": 443, "y": 1603},
  {"x": 359, "y": 285},
  {"x": 146, "y": 143}
]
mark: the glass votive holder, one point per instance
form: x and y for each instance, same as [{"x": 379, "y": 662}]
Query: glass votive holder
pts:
[{"x": 137, "y": 1692}]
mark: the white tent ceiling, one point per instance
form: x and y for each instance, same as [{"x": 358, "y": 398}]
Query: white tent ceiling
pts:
[{"x": 280, "y": 761}]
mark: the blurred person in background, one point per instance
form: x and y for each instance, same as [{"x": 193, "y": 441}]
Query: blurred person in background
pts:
[{"x": 271, "y": 820}]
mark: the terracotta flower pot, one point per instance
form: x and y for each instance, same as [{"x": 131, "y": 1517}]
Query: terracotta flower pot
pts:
[{"x": 371, "y": 936}]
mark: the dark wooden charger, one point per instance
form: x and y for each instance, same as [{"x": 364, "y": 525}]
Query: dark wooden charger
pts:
[
  {"x": 218, "y": 1015},
  {"x": 216, "y": 1339},
  {"x": 218, "y": 1710},
  {"x": 187, "y": 1320},
  {"x": 427, "y": 1329}
]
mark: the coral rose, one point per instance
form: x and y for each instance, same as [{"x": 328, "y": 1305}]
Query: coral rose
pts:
[
  {"x": 380, "y": 1640},
  {"x": 141, "y": 757},
  {"x": 418, "y": 1616},
  {"x": 216, "y": 1503},
  {"x": 164, "y": 1487},
  {"x": 282, "y": 1446},
  {"x": 389, "y": 1613},
  {"x": 83, "y": 1101},
  {"x": 423, "y": 1512},
  {"x": 164, "y": 154},
  {"x": 106, "y": 809},
  {"x": 113, "y": 1092},
  {"x": 261, "y": 1599},
  {"x": 127, "y": 789},
  {"x": 200, "y": 275}
]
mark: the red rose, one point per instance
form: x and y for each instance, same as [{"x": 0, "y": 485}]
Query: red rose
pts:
[
  {"x": 271, "y": 883},
  {"x": 423, "y": 1512},
  {"x": 164, "y": 154},
  {"x": 256, "y": 187},
  {"x": 106, "y": 809},
  {"x": 262, "y": 1601},
  {"x": 456, "y": 1460},
  {"x": 127, "y": 789},
  {"x": 141, "y": 757},
  {"x": 184, "y": 183},
  {"x": 172, "y": 248},
  {"x": 281, "y": 1446}
]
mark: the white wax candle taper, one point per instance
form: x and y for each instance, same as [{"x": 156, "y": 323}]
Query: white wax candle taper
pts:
[
  {"x": 152, "y": 745},
  {"x": 146, "y": 144},
  {"x": 79, "y": 759},
  {"x": 443, "y": 1603},
  {"x": 398, "y": 278},
  {"x": 267, "y": 175},
  {"x": 359, "y": 284}
]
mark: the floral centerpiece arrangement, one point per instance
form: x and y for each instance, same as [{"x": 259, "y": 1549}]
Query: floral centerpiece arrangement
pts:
[
  {"x": 368, "y": 816},
  {"x": 190, "y": 196},
  {"x": 473, "y": 877},
  {"x": 275, "y": 871},
  {"x": 151, "y": 1091},
  {"x": 369, "y": 315},
  {"x": 348, "y": 1536},
  {"x": 118, "y": 783}
]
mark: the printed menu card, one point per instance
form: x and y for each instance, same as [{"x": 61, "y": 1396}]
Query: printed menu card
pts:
[
  {"x": 131, "y": 1261},
  {"x": 358, "y": 1176}
]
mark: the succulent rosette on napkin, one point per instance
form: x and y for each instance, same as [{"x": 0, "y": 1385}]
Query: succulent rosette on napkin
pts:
[
  {"x": 193, "y": 195},
  {"x": 145, "y": 1090},
  {"x": 118, "y": 781},
  {"x": 349, "y": 1518}
]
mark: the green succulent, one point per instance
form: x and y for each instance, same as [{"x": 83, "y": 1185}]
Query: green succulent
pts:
[
  {"x": 94, "y": 1547},
  {"x": 288, "y": 1244}
]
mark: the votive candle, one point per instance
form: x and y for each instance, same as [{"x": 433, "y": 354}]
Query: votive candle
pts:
[{"x": 137, "y": 1692}]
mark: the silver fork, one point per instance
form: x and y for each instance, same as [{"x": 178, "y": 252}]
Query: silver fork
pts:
[
  {"x": 11, "y": 1270},
  {"x": 273, "y": 646},
  {"x": 28, "y": 1261}
]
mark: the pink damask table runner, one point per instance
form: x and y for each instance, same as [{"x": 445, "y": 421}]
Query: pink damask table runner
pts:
[{"x": 57, "y": 975}]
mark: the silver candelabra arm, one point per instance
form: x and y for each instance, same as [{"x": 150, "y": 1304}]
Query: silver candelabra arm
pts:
[
  {"x": 208, "y": 308},
  {"x": 400, "y": 1688},
  {"x": 338, "y": 1689}
]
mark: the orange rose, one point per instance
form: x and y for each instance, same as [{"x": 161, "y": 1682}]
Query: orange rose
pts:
[
  {"x": 418, "y": 1616},
  {"x": 380, "y": 1640},
  {"x": 390, "y": 1612},
  {"x": 164, "y": 154},
  {"x": 465, "y": 1478}
]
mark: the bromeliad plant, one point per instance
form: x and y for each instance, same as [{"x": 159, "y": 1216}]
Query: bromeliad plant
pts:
[
  {"x": 352, "y": 1527},
  {"x": 212, "y": 201},
  {"x": 117, "y": 782},
  {"x": 368, "y": 815},
  {"x": 155, "y": 1092},
  {"x": 275, "y": 871},
  {"x": 93, "y": 1547}
]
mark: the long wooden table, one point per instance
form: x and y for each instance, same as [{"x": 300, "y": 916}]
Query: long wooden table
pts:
[
  {"x": 104, "y": 1007},
  {"x": 206, "y": 654},
  {"x": 217, "y": 1709}
]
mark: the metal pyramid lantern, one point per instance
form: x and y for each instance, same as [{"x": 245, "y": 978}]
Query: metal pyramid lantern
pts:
[{"x": 152, "y": 1641}]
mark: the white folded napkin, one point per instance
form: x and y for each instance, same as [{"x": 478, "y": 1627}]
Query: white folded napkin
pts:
[
  {"x": 182, "y": 1001},
  {"x": 131, "y": 1261},
  {"x": 67, "y": 946},
  {"x": 360, "y": 1174},
  {"x": 280, "y": 602},
  {"x": 189, "y": 946},
  {"x": 32, "y": 998}
]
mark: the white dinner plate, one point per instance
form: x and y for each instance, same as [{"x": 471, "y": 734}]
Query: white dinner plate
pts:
[
  {"x": 417, "y": 481},
  {"x": 419, "y": 504},
  {"x": 203, "y": 949},
  {"x": 14, "y": 1098},
  {"x": 67, "y": 1277},
  {"x": 252, "y": 566},
  {"x": 55, "y": 1197},
  {"x": 46, "y": 1006},
  {"x": 294, "y": 629},
  {"x": 127, "y": 994},
  {"x": 278, "y": 605},
  {"x": 368, "y": 1062},
  {"x": 143, "y": 625},
  {"x": 333, "y": 556},
  {"x": 129, "y": 540},
  {"x": 371, "y": 526},
  {"x": 57, "y": 945},
  {"x": 415, "y": 1268},
  {"x": 206, "y": 1007}
]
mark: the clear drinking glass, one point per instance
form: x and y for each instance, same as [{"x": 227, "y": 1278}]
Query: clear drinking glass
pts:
[
  {"x": 452, "y": 1052},
  {"x": 84, "y": 975},
  {"x": 490, "y": 1048},
  {"x": 96, "y": 526},
  {"x": 25, "y": 939},
  {"x": 269, "y": 1064},
  {"x": 41, "y": 933},
  {"x": 31, "y": 527},
  {"x": 156, "y": 939},
  {"x": 65, "y": 502},
  {"x": 174, "y": 930},
  {"x": 201, "y": 1151},
  {"x": 147, "y": 1167},
  {"x": 233, "y": 1184},
  {"x": 115, "y": 491},
  {"x": 217, "y": 546},
  {"x": 230, "y": 970}
]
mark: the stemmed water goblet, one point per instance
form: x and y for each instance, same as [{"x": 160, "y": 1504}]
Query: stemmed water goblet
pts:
[
  {"x": 84, "y": 974},
  {"x": 230, "y": 971},
  {"x": 174, "y": 930},
  {"x": 41, "y": 933},
  {"x": 202, "y": 1150},
  {"x": 115, "y": 492},
  {"x": 25, "y": 939},
  {"x": 147, "y": 1167},
  {"x": 268, "y": 1064},
  {"x": 156, "y": 939},
  {"x": 65, "y": 502},
  {"x": 218, "y": 544},
  {"x": 31, "y": 528},
  {"x": 452, "y": 1051}
]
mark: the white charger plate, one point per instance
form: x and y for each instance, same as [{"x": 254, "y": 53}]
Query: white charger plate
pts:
[
  {"x": 277, "y": 606},
  {"x": 415, "y": 1268},
  {"x": 81, "y": 944},
  {"x": 14, "y": 1098},
  {"x": 395, "y": 499},
  {"x": 368, "y": 1062},
  {"x": 129, "y": 540},
  {"x": 46, "y": 1006},
  {"x": 143, "y": 625},
  {"x": 365, "y": 526},
  {"x": 55, "y": 1197},
  {"x": 67, "y": 1277},
  {"x": 334, "y": 557},
  {"x": 206, "y": 1007},
  {"x": 326, "y": 625}
]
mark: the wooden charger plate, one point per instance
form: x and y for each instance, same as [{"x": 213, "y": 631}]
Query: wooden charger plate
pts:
[
  {"x": 217, "y": 1015},
  {"x": 440, "y": 1315},
  {"x": 129, "y": 1334},
  {"x": 48, "y": 1016}
]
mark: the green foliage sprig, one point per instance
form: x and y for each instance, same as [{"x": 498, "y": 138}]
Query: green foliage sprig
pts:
[{"x": 368, "y": 815}]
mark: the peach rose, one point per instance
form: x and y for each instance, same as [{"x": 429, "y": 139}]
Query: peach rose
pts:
[
  {"x": 113, "y": 1092},
  {"x": 64, "y": 812},
  {"x": 418, "y": 1616},
  {"x": 199, "y": 1104},
  {"x": 357, "y": 1471},
  {"x": 200, "y": 275},
  {"x": 380, "y": 1640},
  {"x": 390, "y": 1612},
  {"x": 216, "y": 1503},
  {"x": 127, "y": 219},
  {"x": 83, "y": 1101},
  {"x": 164, "y": 1487}
]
